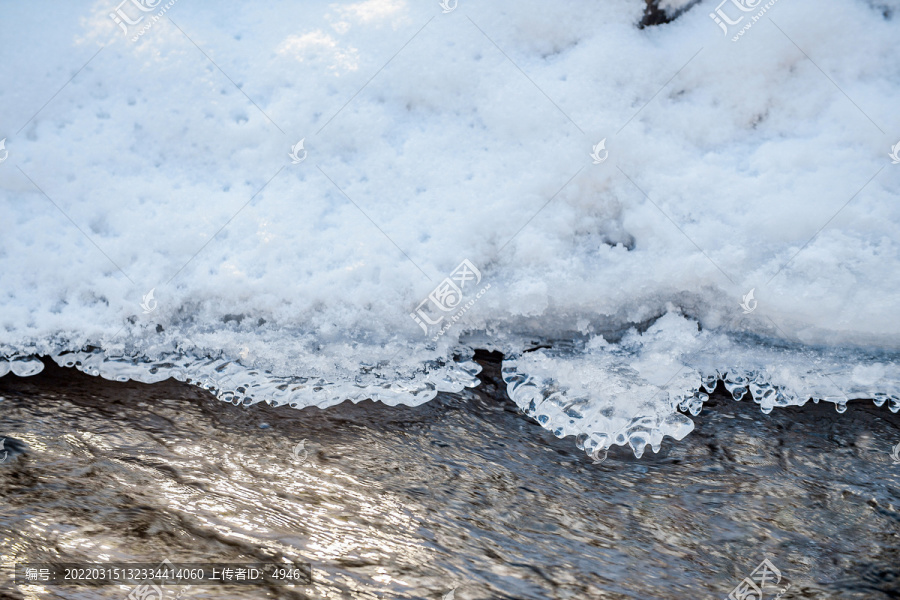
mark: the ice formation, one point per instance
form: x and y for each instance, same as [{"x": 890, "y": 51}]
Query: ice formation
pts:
[{"x": 161, "y": 217}]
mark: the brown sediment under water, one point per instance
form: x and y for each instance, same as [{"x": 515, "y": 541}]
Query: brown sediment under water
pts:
[{"x": 463, "y": 493}]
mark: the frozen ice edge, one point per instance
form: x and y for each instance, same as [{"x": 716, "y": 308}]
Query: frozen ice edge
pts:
[
  {"x": 596, "y": 422},
  {"x": 233, "y": 382},
  {"x": 636, "y": 389},
  {"x": 557, "y": 412},
  {"x": 597, "y": 426}
]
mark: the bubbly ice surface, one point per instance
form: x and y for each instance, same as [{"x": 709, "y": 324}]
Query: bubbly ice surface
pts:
[{"x": 635, "y": 392}]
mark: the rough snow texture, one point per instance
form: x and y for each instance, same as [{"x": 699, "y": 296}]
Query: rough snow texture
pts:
[{"x": 764, "y": 163}]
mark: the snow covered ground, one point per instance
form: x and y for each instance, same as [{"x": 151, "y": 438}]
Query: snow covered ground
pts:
[{"x": 623, "y": 187}]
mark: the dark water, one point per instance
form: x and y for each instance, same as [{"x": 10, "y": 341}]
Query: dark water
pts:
[{"x": 463, "y": 492}]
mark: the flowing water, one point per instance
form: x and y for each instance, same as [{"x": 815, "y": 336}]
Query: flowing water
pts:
[{"x": 462, "y": 493}]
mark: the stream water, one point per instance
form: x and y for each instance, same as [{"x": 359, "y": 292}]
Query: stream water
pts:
[{"x": 463, "y": 493}]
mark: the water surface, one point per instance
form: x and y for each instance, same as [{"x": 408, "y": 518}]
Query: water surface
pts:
[{"x": 463, "y": 492}]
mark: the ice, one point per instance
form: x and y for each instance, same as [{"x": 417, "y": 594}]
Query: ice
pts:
[
  {"x": 241, "y": 385},
  {"x": 610, "y": 394},
  {"x": 432, "y": 138},
  {"x": 630, "y": 393},
  {"x": 23, "y": 366}
]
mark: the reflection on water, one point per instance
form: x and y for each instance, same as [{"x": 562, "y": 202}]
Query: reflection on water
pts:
[{"x": 462, "y": 493}]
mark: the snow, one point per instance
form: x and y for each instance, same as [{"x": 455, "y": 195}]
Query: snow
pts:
[{"x": 432, "y": 138}]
